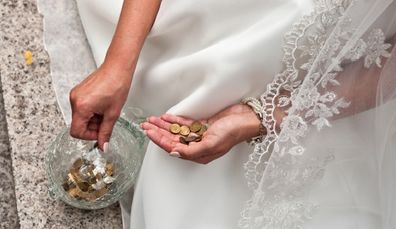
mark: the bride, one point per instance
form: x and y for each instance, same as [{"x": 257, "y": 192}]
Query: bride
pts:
[{"x": 309, "y": 83}]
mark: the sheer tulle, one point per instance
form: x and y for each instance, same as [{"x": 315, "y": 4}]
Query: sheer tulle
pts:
[{"x": 333, "y": 161}]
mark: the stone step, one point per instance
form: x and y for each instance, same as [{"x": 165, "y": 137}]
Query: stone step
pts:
[
  {"x": 33, "y": 118},
  {"x": 8, "y": 209}
]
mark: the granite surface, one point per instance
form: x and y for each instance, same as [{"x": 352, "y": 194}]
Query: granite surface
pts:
[
  {"x": 8, "y": 210},
  {"x": 34, "y": 119}
]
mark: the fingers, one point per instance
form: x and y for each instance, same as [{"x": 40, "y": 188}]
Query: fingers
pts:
[
  {"x": 94, "y": 123},
  {"x": 93, "y": 126},
  {"x": 149, "y": 126},
  {"x": 177, "y": 119},
  {"x": 96, "y": 119},
  {"x": 194, "y": 150},
  {"x": 157, "y": 129},
  {"x": 198, "y": 153},
  {"x": 162, "y": 140},
  {"x": 159, "y": 122},
  {"x": 159, "y": 134},
  {"x": 79, "y": 127},
  {"x": 105, "y": 129}
]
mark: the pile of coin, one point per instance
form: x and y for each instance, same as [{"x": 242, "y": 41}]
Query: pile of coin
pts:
[
  {"x": 89, "y": 177},
  {"x": 189, "y": 134}
]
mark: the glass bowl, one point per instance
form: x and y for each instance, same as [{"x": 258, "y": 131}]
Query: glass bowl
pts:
[{"x": 126, "y": 151}]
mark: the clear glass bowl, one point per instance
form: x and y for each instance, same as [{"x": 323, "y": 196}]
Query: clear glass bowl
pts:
[{"x": 127, "y": 147}]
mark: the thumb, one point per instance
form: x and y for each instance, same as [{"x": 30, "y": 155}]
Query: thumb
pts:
[{"x": 105, "y": 129}]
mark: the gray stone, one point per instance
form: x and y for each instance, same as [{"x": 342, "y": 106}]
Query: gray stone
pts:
[
  {"x": 8, "y": 209},
  {"x": 34, "y": 119}
]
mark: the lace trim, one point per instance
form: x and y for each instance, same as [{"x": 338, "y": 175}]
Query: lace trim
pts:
[
  {"x": 307, "y": 40},
  {"x": 287, "y": 80}
]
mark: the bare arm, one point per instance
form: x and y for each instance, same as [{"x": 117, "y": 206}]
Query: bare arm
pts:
[
  {"x": 136, "y": 20},
  {"x": 361, "y": 90},
  {"x": 97, "y": 101}
]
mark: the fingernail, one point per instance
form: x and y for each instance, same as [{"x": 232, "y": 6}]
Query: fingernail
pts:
[
  {"x": 106, "y": 147},
  {"x": 174, "y": 154}
]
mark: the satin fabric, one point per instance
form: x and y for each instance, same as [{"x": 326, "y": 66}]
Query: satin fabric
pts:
[{"x": 200, "y": 57}]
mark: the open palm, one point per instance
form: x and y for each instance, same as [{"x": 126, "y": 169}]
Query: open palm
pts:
[{"x": 226, "y": 129}]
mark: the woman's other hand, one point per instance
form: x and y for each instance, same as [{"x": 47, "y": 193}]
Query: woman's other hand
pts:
[
  {"x": 97, "y": 102},
  {"x": 227, "y": 128}
]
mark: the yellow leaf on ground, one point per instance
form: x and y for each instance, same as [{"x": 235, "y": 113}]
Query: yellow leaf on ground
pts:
[{"x": 28, "y": 57}]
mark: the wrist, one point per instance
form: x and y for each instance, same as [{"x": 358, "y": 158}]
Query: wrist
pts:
[
  {"x": 117, "y": 64},
  {"x": 255, "y": 108},
  {"x": 113, "y": 79},
  {"x": 123, "y": 57},
  {"x": 250, "y": 125},
  {"x": 115, "y": 71}
]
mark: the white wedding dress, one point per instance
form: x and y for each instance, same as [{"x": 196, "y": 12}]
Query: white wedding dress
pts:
[{"x": 200, "y": 57}]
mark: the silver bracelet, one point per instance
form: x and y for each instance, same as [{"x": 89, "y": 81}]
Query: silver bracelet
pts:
[{"x": 257, "y": 107}]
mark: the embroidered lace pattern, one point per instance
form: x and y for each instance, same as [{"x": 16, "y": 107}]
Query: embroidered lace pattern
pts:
[{"x": 324, "y": 33}]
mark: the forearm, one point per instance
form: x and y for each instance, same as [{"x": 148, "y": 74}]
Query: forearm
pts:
[
  {"x": 135, "y": 22},
  {"x": 359, "y": 86}
]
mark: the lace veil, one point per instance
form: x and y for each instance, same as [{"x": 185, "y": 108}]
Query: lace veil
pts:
[{"x": 331, "y": 163}]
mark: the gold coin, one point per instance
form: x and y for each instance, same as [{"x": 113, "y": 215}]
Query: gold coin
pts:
[
  {"x": 75, "y": 177},
  {"x": 175, "y": 128},
  {"x": 77, "y": 164},
  {"x": 202, "y": 130},
  {"x": 84, "y": 195},
  {"x": 73, "y": 192},
  {"x": 70, "y": 182},
  {"x": 71, "y": 179},
  {"x": 184, "y": 130},
  {"x": 195, "y": 127},
  {"x": 182, "y": 140},
  {"x": 83, "y": 186},
  {"x": 66, "y": 186},
  {"x": 109, "y": 169}
]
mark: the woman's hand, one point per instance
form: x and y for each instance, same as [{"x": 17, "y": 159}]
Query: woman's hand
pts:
[
  {"x": 227, "y": 128},
  {"x": 97, "y": 102}
]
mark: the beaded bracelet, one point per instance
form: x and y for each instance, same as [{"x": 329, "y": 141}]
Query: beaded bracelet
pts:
[{"x": 257, "y": 107}]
